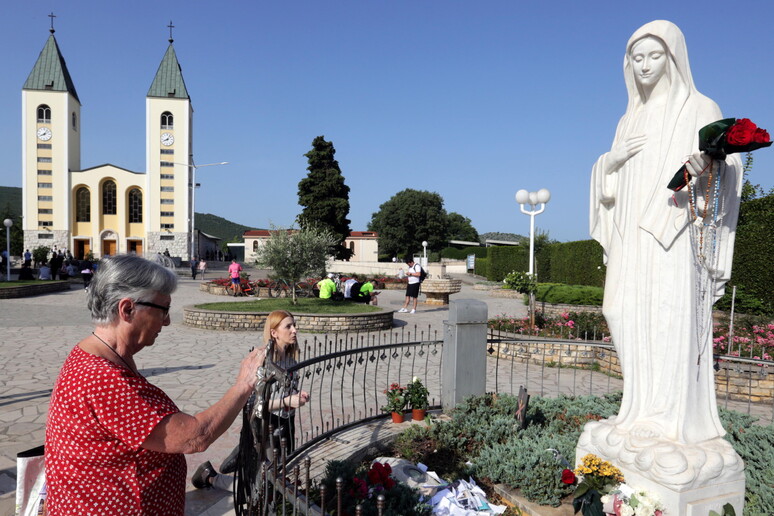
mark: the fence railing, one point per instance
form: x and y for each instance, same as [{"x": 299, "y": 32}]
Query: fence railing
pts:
[{"x": 346, "y": 376}]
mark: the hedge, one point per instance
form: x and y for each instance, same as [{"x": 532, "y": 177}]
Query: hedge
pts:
[
  {"x": 575, "y": 263},
  {"x": 505, "y": 259},
  {"x": 455, "y": 253}
]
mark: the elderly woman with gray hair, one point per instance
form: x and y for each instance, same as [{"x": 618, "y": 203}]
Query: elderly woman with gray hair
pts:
[{"x": 115, "y": 442}]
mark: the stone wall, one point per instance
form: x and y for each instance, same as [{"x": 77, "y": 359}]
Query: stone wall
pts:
[
  {"x": 44, "y": 287},
  {"x": 740, "y": 382},
  {"x": 317, "y": 323}
]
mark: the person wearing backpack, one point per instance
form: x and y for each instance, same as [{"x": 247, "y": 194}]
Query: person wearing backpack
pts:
[{"x": 415, "y": 275}]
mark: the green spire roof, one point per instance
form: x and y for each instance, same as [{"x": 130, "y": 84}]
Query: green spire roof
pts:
[
  {"x": 50, "y": 71},
  {"x": 169, "y": 78}
]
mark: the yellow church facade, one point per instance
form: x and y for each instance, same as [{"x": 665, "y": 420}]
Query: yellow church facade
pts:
[{"x": 105, "y": 209}]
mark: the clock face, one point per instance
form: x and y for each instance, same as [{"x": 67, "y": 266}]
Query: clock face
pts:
[
  {"x": 44, "y": 134},
  {"x": 167, "y": 139}
]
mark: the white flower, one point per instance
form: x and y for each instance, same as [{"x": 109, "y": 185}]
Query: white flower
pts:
[
  {"x": 416, "y": 379},
  {"x": 626, "y": 510},
  {"x": 605, "y": 499}
]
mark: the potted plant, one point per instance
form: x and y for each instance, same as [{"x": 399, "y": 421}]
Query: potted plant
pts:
[
  {"x": 396, "y": 402},
  {"x": 416, "y": 395}
]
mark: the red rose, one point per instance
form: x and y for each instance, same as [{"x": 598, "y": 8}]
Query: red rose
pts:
[
  {"x": 568, "y": 477},
  {"x": 374, "y": 477},
  {"x": 741, "y": 133},
  {"x": 389, "y": 483},
  {"x": 761, "y": 136}
]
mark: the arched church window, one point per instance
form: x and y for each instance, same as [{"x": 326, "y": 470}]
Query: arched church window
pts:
[
  {"x": 109, "y": 198},
  {"x": 44, "y": 114},
  {"x": 82, "y": 205},
  {"x": 167, "y": 120},
  {"x": 135, "y": 205},
  {"x": 255, "y": 246}
]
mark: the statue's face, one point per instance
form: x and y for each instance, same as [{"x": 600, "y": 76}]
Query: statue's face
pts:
[{"x": 649, "y": 61}]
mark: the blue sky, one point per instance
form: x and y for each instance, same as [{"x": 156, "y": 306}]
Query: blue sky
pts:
[{"x": 470, "y": 99}]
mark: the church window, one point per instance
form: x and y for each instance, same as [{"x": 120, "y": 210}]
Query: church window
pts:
[
  {"x": 135, "y": 205},
  {"x": 75, "y": 121},
  {"x": 167, "y": 213},
  {"x": 44, "y": 146},
  {"x": 167, "y": 120},
  {"x": 167, "y": 226},
  {"x": 166, "y": 164},
  {"x": 44, "y": 172},
  {"x": 44, "y": 160},
  {"x": 167, "y": 188},
  {"x": 82, "y": 205},
  {"x": 255, "y": 246},
  {"x": 167, "y": 151},
  {"x": 167, "y": 201},
  {"x": 45, "y": 236},
  {"x": 167, "y": 237},
  {"x": 109, "y": 198},
  {"x": 44, "y": 114},
  {"x": 44, "y": 185},
  {"x": 45, "y": 211},
  {"x": 45, "y": 223},
  {"x": 167, "y": 176},
  {"x": 44, "y": 198}
]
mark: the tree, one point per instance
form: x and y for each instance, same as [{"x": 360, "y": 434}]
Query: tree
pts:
[
  {"x": 295, "y": 254},
  {"x": 460, "y": 228},
  {"x": 408, "y": 218},
  {"x": 325, "y": 197},
  {"x": 17, "y": 234}
]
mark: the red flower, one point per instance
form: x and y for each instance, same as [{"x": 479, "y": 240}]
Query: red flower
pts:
[
  {"x": 741, "y": 133},
  {"x": 761, "y": 136},
  {"x": 374, "y": 477},
  {"x": 568, "y": 477},
  {"x": 389, "y": 483}
]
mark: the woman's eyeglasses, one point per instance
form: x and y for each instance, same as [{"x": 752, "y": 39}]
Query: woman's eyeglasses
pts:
[{"x": 164, "y": 309}]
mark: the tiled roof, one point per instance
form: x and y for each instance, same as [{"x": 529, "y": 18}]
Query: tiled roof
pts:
[
  {"x": 50, "y": 71},
  {"x": 169, "y": 82}
]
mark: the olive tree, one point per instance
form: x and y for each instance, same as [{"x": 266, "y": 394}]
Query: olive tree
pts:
[{"x": 293, "y": 254}]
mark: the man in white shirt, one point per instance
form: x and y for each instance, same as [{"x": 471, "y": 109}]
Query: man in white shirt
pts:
[{"x": 412, "y": 289}]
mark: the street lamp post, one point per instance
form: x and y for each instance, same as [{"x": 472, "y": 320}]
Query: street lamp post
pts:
[
  {"x": 541, "y": 197},
  {"x": 193, "y": 168},
  {"x": 8, "y": 223},
  {"x": 424, "y": 254}
]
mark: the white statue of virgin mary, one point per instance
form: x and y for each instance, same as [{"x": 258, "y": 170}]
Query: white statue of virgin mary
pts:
[{"x": 662, "y": 276}]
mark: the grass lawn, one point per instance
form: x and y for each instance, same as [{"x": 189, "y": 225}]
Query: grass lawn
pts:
[
  {"x": 305, "y": 305},
  {"x": 18, "y": 283}
]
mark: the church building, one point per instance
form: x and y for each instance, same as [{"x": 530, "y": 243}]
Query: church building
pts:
[{"x": 105, "y": 209}]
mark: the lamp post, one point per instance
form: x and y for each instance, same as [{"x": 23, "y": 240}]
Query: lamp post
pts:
[
  {"x": 541, "y": 197},
  {"x": 8, "y": 223},
  {"x": 424, "y": 254},
  {"x": 193, "y": 168}
]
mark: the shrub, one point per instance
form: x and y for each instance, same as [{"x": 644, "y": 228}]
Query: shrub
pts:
[{"x": 557, "y": 293}]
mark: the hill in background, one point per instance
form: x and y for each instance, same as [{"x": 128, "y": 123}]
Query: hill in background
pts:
[
  {"x": 507, "y": 237},
  {"x": 10, "y": 201}
]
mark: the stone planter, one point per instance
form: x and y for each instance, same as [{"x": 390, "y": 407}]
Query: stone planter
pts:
[
  {"x": 254, "y": 321},
  {"x": 439, "y": 290},
  {"x": 44, "y": 287}
]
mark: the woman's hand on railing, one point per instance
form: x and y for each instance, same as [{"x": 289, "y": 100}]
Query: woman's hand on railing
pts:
[{"x": 296, "y": 400}]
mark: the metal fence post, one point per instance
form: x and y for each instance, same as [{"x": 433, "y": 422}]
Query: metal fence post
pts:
[{"x": 463, "y": 370}]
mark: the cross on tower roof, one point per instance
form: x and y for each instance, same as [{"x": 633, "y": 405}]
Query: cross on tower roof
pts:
[
  {"x": 170, "y": 31},
  {"x": 52, "y": 16}
]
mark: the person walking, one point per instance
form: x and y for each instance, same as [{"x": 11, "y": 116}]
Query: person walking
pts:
[
  {"x": 202, "y": 268},
  {"x": 412, "y": 289},
  {"x": 194, "y": 267}
]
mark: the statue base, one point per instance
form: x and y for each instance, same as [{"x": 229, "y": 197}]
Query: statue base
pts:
[{"x": 687, "y": 502}]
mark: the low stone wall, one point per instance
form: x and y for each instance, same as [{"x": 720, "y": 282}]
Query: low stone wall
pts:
[
  {"x": 318, "y": 323},
  {"x": 44, "y": 287},
  {"x": 740, "y": 382}
]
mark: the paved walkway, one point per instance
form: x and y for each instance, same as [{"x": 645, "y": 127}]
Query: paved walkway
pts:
[{"x": 195, "y": 367}]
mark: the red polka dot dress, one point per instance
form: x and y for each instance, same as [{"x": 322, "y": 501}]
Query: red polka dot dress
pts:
[{"x": 99, "y": 416}]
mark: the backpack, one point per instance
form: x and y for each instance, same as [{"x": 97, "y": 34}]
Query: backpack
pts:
[{"x": 422, "y": 274}]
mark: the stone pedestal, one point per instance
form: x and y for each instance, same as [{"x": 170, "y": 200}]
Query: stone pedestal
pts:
[
  {"x": 683, "y": 500},
  {"x": 439, "y": 290}
]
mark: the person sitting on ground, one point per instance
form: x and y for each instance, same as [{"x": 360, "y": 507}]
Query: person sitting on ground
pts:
[
  {"x": 26, "y": 272},
  {"x": 115, "y": 443},
  {"x": 367, "y": 294},
  {"x": 326, "y": 286},
  {"x": 348, "y": 286},
  {"x": 45, "y": 271}
]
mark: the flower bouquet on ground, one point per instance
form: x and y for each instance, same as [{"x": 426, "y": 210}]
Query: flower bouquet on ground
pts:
[
  {"x": 625, "y": 501},
  {"x": 597, "y": 478},
  {"x": 718, "y": 139},
  {"x": 396, "y": 398}
]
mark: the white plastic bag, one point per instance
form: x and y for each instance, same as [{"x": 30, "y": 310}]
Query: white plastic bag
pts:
[{"x": 30, "y": 482}]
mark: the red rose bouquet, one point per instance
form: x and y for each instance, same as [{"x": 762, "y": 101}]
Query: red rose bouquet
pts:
[{"x": 718, "y": 139}]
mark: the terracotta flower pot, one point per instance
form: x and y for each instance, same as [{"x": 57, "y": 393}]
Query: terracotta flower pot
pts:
[
  {"x": 418, "y": 414},
  {"x": 397, "y": 417}
]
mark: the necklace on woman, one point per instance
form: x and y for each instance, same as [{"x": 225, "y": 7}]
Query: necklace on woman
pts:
[{"x": 116, "y": 354}]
